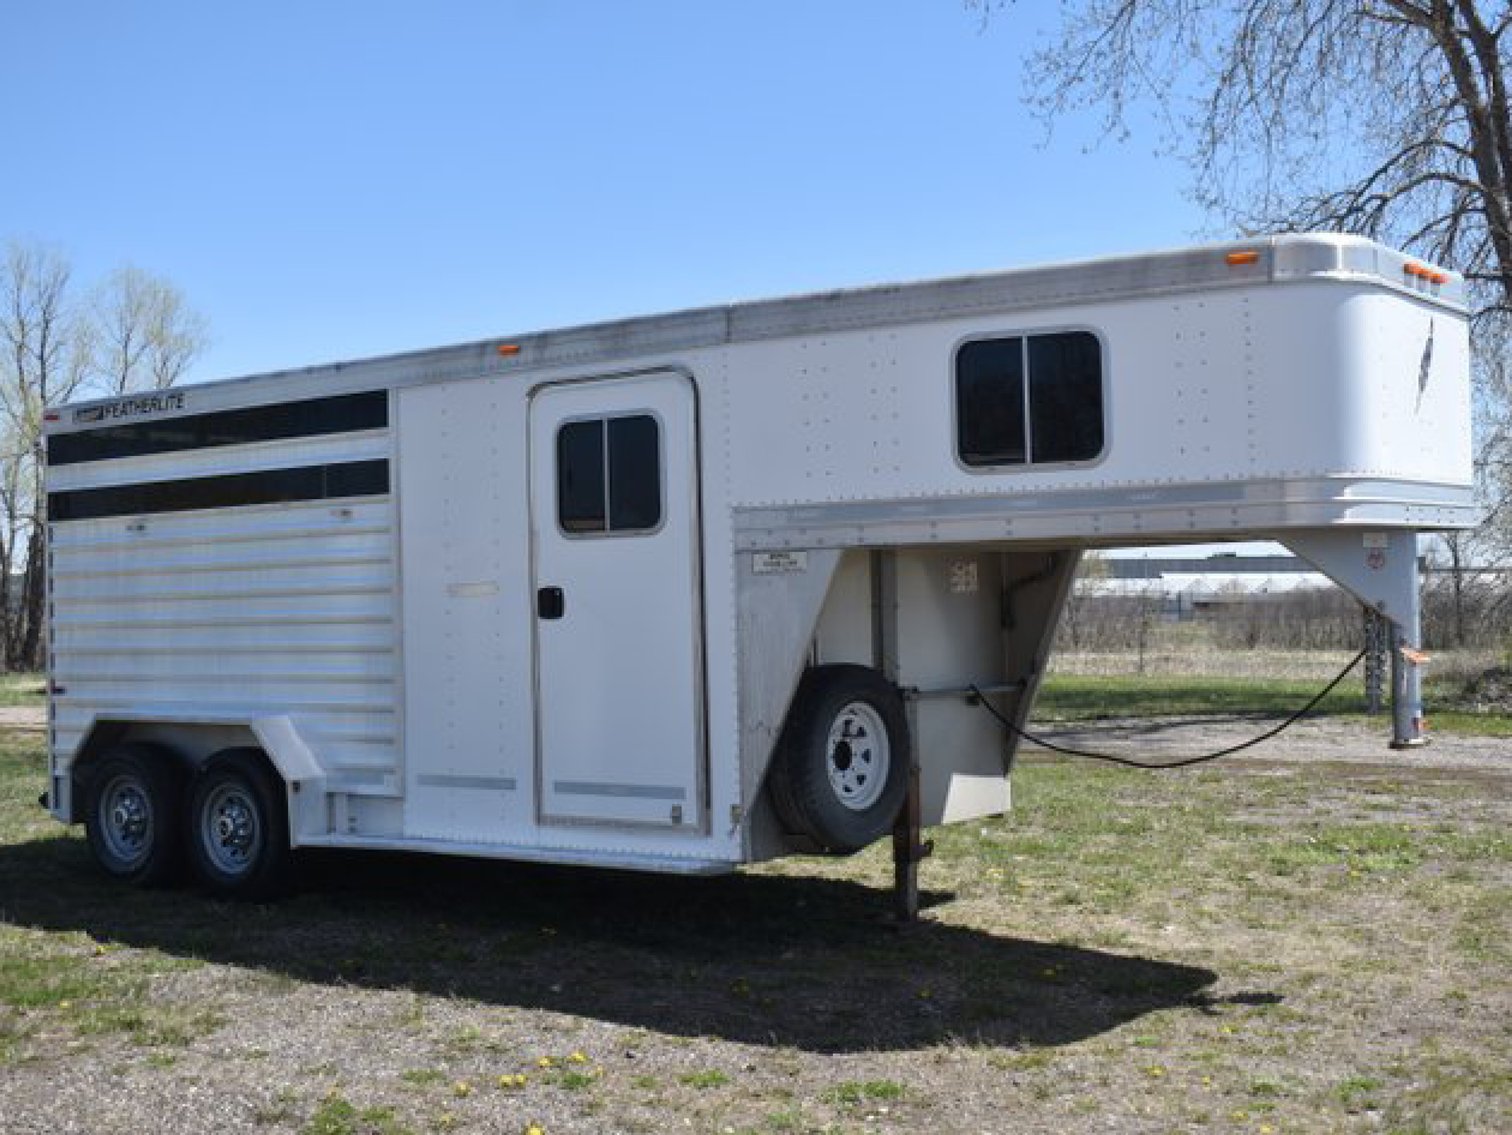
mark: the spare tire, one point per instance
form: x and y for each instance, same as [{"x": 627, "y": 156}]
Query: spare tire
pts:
[{"x": 840, "y": 770}]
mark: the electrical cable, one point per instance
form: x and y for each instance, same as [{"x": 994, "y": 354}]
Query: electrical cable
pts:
[{"x": 1113, "y": 758}]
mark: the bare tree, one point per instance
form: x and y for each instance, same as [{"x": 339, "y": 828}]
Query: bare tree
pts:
[
  {"x": 16, "y": 513},
  {"x": 1382, "y": 117},
  {"x": 47, "y": 359},
  {"x": 1072, "y": 634},
  {"x": 134, "y": 332},
  {"x": 146, "y": 335}
]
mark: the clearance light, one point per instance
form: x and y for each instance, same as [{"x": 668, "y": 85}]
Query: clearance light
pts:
[
  {"x": 1235, "y": 259},
  {"x": 1425, "y": 273},
  {"x": 508, "y": 349}
]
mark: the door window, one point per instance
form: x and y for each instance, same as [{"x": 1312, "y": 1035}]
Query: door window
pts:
[{"x": 609, "y": 477}]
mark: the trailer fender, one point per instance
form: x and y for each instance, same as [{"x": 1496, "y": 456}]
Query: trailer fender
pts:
[
  {"x": 191, "y": 739},
  {"x": 304, "y": 779}
]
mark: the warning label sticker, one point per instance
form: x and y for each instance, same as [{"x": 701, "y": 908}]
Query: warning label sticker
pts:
[{"x": 773, "y": 563}]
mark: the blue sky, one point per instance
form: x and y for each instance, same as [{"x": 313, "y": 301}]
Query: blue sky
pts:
[{"x": 341, "y": 179}]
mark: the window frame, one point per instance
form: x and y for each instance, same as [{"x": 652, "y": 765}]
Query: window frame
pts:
[
  {"x": 1029, "y": 465},
  {"x": 661, "y": 475}
]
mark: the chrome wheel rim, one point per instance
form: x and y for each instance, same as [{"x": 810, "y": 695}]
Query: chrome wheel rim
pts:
[
  {"x": 231, "y": 830},
  {"x": 126, "y": 820}
]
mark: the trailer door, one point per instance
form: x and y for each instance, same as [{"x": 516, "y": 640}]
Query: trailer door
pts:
[{"x": 619, "y": 670}]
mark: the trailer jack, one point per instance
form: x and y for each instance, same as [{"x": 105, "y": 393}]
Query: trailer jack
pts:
[
  {"x": 1380, "y": 569},
  {"x": 908, "y": 852}
]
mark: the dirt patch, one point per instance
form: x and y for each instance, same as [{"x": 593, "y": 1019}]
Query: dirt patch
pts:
[
  {"x": 1308, "y": 742},
  {"x": 30, "y": 718}
]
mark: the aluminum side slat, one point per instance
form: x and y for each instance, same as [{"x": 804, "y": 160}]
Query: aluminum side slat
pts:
[{"x": 235, "y": 613}]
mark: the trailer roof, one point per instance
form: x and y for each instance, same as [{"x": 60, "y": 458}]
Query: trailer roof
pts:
[{"x": 1264, "y": 260}]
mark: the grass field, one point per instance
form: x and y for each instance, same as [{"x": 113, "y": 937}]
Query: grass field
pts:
[
  {"x": 1083, "y": 697},
  {"x": 1256, "y": 947},
  {"x": 22, "y": 689}
]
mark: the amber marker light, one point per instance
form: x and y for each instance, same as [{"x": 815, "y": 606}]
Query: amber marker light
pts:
[
  {"x": 1248, "y": 256},
  {"x": 508, "y": 349}
]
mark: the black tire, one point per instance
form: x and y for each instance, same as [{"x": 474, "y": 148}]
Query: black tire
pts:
[
  {"x": 133, "y": 813},
  {"x": 840, "y": 771},
  {"x": 238, "y": 826}
]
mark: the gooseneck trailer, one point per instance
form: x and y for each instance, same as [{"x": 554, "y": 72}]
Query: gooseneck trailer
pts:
[{"x": 689, "y": 591}]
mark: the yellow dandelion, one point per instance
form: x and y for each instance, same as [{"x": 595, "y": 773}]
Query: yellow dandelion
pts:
[
  {"x": 578, "y": 1057},
  {"x": 546, "y": 1062},
  {"x": 461, "y": 1089}
]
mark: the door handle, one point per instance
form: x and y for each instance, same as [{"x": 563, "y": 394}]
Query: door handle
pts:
[{"x": 551, "y": 603}]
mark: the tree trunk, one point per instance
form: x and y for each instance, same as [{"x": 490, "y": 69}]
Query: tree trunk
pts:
[{"x": 29, "y": 653}]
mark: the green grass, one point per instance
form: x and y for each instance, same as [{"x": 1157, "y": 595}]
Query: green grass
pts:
[
  {"x": 93, "y": 991},
  {"x": 712, "y": 1078},
  {"x": 338, "y": 1116},
  {"x": 1080, "y": 697},
  {"x": 575, "y": 1081},
  {"x": 23, "y": 689},
  {"x": 1358, "y": 1093},
  {"x": 852, "y": 1093},
  {"x": 1467, "y": 724},
  {"x": 1229, "y": 939}
]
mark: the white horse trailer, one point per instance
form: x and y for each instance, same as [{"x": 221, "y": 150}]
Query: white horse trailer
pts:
[{"x": 696, "y": 590}]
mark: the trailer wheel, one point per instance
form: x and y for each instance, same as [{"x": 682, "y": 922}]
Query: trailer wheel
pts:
[
  {"x": 239, "y": 826},
  {"x": 841, "y": 767},
  {"x": 132, "y": 815}
]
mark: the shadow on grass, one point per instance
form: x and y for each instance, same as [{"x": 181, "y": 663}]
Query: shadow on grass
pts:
[{"x": 783, "y": 961}]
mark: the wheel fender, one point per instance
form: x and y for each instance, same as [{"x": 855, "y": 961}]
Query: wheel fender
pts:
[
  {"x": 304, "y": 780},
  {"x": 275, "y": 734}
]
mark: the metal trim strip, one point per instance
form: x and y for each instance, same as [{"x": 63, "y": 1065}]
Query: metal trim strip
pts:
[
  {"x": 621, "y": 791},
  {"x": 453, "y": 780}
]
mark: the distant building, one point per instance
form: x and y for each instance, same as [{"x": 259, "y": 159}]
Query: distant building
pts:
[{"x": 1186, "y": 587}]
